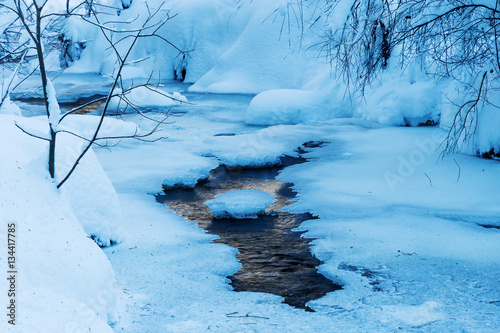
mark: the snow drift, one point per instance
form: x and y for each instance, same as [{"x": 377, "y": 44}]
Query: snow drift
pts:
[{"x": 66, "y": 280}]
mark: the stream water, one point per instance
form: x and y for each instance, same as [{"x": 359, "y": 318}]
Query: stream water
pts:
[{"x": 274, "y": 258}]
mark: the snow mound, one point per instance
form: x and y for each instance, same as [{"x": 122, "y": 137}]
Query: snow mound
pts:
[
  {"x": 263, "y": 148},
  {"x": 67, "y": 282},
  {"x": 89, "y": 190},
  {"x": 485, "y": 137},
  {"x": 287, "y": 107},
  {"x": 240, "y": 204},
  {"x": 145, "y": 97},
  {"x": 400, "y": 102}
]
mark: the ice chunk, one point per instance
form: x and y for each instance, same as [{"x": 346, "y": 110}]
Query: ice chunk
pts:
[{"x": 240, "y": 204}]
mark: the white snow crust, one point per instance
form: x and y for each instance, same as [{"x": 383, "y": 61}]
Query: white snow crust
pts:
[
  {"x": 240, "y": 204},
  {"x": 412, "y": 237},
  {"x": 65, "y": 282}
]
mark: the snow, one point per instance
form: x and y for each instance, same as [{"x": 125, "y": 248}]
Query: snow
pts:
[
  {"x": 90, "y": 193},
  {"x": 401, "y": 102},
  {"x": 88, "y": 190},
  {"x": 144, "y": 96},
  {"x": 239, "y": 68},
  {"x": 240, "y": 204},
  {"x": 54, "y": 111},
  {"x": 189, "y": 172},
  {"x": 261, "y": 47},
  {"x": 400, "y": 227},
  {"x": 288, "y": 107},
  {"x": 64, "y": 279},
  {"x": 10, "y": 108},
  {"x": 488, "y": 136},
  {"x": 384, "y": 225},
  {"x": 262, "y": 148},
  {"x": 85, "y": 125},
  {"x": 421, "y": 245}
]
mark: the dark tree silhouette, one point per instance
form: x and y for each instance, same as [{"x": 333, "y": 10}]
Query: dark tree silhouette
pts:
[{"x": 32, "y": 18}]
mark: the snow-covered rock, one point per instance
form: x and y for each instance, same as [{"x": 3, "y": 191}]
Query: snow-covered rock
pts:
[
  {"x": 240, "y": 204},
  {"x": 144, "y": 97},
  {"x": 287, "y": 107},
  {"x": 89, "y": 191},
  {"x": 91, "y": 194}
]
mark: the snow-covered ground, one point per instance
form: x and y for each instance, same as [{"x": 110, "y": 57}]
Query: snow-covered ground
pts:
[
  {"x": 398, "y": 227},
  {"x": 414, "y": 239},
  {"x": 62, "y": 280}
]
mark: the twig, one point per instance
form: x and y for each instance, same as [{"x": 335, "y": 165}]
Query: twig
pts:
[
  {"x": 233, "y": 315},
  {"x": 30, "y": 134},
  {"x": 430, "y": 181},
  {"x": 82, "y": 106},
  {"x": 459, "y": 170}
]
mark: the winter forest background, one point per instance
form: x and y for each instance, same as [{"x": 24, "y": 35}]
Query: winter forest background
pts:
[{"x": 104, "y": 102}]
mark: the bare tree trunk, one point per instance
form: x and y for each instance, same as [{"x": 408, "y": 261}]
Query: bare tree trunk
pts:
[
  {"x": 29, "y": 13},
  {"x": 43, "y": 75}
]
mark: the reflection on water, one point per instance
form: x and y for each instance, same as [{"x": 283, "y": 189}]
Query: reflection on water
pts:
[{"x": 274, "y": 258}]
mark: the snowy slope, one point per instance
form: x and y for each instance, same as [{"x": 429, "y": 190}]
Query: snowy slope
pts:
[
  {"x": 273, "y": 48},
  {"x": 65, "y": 282},
  {"x": 413, "y": 239}
]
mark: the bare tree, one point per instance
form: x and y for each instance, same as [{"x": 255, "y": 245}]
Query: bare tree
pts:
[
  {"x": 36, "y": 22},
  {"x": 448, "y": 39}
]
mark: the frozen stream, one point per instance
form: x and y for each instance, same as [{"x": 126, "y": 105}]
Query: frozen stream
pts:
[
  {"x": 274, "y": 258},
  {"x": 414, "y": 257}
]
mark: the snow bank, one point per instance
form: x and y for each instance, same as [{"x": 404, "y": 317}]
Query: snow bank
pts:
[
  {"x": 488, "y": 133},
  {"x": 88, "y": 190},
  {"x": 240, "y": 204},
  {"x": 481, "y": 126},
  {"x": 262, "y": 148},
  {"x": 183, "y": 169},
  {"x": 91, "y": 194},
  {"x": 261, "y": 58},
  {"x": 400, "y": 102},
  {"x": 67, "y": 282},
  {"x": 144, "y": 97},
  {"x": 288, "y": 107}
]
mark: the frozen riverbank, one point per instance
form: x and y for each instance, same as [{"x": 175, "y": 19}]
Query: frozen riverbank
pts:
[{"x": 406, "y": 246}]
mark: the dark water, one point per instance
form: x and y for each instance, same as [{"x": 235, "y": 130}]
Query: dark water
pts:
[
  {"x": 274, "y": 258},
  {"x": 35, "y": 106}
]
